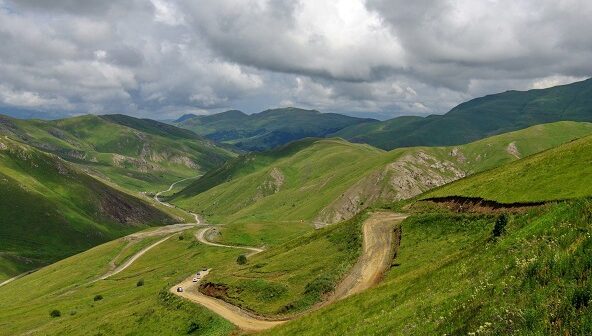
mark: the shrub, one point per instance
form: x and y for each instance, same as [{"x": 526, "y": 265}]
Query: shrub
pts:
[
  {"x": 193, "y": 327},
  {"x": 242, "y": 259},
  {"x": 581, "y": 298},
  {"x": 140, "y": 283},
  {"x": 55, "y": 313},
  {"x": 181, "y": 237},
  {"x": 500, "y": 225},
  {"x": 98, "y": 297}
]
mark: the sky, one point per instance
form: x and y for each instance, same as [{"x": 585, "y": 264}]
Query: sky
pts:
[{"x": 377, "y": 58}]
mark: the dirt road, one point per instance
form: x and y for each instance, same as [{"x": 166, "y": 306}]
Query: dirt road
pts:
[
  {"x": 374, "y": 261},
  {"x": 376, "y": 256}
]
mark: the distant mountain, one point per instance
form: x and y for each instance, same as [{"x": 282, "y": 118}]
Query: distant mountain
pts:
[
  {"x": 24, "y": 113},
  {"x": 50, "y": 209},
  {"x": 479, "y": 118},
  {"x": 267, "y": 129},
  {"x": 138, "y": 154}
]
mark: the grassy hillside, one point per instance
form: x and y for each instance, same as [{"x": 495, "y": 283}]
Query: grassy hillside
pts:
[
  {"x": 291, "y": 277},
  {"x": 268, "y": 129},
  {"x": 479, "y": 118},
  {"x": 138, "y": 154},
  {"x": 556, "y": 174},
  {"x": 51, "y": 210},
  {"x": 329, "y": 180},
  {"x": 452, "y": 278},
  {"x": 125, "y": 308}
]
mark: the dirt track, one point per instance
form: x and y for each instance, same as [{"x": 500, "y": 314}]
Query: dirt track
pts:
[{"x": 374, "y": 261}]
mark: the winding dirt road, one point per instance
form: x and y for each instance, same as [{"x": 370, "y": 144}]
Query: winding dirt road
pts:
[{"x": 374, "y": 261}]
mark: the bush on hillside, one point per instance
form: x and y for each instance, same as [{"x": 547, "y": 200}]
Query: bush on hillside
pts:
[
  {"x": 140, "y": 283},
  {"x": 98, "y": 297},
  {"x": 55, "y": 313},
  {"x": 242, "y": 259},
  {"x": 500, "y": 225}
]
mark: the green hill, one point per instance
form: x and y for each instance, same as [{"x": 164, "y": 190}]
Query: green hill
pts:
[
  {"x": 556, "y": 174},
  {"x": 268, "y": 129},
  {"x": 323, "y": 181},
  {"x": 479, "y": 118},
  {"x": 51, "y": 210},
  {"x": 139, "y": 154}
]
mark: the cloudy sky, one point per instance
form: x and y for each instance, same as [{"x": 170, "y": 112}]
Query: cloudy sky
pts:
[{"x": 161, "y": 59}]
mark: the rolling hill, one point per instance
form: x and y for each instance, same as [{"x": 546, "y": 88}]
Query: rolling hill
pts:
[
  {"x": 323, "y": 181},
  {"x": 556, "y": 174},
  {"x": 50, "y": 209},
  {"x": 479, "y": 118},
  {"x": 138, "y": 154},
  {"x": 267, "y": 129}
]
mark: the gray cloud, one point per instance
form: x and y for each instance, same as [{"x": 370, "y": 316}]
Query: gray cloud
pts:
[{"x": 163, "y": 58}]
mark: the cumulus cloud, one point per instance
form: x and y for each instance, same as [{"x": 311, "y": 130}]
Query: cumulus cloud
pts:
[{"x": 162, "y": 58}]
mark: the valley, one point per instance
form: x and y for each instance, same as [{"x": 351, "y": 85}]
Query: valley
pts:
[{"x": 314, "y": 236}]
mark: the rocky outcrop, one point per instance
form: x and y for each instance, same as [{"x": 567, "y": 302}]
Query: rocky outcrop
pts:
[
  {"x": 271, "y": 184},
  {"x": 512, "y": 149},
  {"x": 406, "y": 177}
]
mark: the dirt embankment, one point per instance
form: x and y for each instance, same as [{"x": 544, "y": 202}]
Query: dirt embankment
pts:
[{"x": 480, "y": 205}]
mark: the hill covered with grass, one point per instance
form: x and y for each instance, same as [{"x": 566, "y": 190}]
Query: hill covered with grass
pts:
[
  {"x": 323, "y": 181},
  {"x": 138, "y": 154},
  {"x": 556, "y": 174},
  {"x": 479, "y": 118},
  {"x": 267, "y": 129},
  {"x": 50, "y": 209}
]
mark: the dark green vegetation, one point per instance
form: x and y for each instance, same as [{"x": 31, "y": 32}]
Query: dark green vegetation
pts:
[
  {"x": 328, "y": 180},
  {"x": 125, "y": 309},
  {"x": 50, "y": 209},
  {"x": 268, "y": 129},
  {"x": 479, "y": 118},
  {"x": 137, "y": 154},
  {"x": 454, "y": 279},
  {"x": 563, "y": 172},
  {"x": 293, "y": 276}
]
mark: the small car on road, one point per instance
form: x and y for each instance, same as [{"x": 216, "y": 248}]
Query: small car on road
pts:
[
  {"x": 195, "y": 279},
  {"x": 179, "y": 289}
]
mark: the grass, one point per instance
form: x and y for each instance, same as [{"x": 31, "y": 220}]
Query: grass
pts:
[
  {"x": 125, "y": 307},
  {"x": 138, "y": 154},
  {"x": 559, "y": 173},
  {"x": 51, "y": 210},
  {"x": 291, "y": 277},
  {"x": 332, "y": 175},
  {"x": 471, "y": 284}
]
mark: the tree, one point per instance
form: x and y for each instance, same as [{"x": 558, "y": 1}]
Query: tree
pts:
[
  {"x": 98, "y": 297},
  {"x": 242, "y": 259},
  {"x": 55, "y": 313},
  {"x": 500, "y": 225},
  {"x": 140, "y": 283}
]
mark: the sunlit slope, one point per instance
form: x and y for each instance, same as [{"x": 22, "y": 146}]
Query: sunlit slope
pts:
[
  {"x": 125, "y": 308},
  {"x": 50, "y": 209},
  {"x": 328, "y": 180},
  {"x": 139, "y": 154},
  {"x": 452, "y": 278},
  {"x": 560, "y": 173}
]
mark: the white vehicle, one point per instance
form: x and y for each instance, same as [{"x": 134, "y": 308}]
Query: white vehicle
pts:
[
  {"x": 195, "y": 279},
  {"x": 179, "y": 289}
]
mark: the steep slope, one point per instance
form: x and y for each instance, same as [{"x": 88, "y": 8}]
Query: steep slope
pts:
[
  {"x": 139, "y": 154},
  {"x": 50, "y": 210},
  {"x": 329, "y": 180},
  {"x": 450, "y": 277},
  {"x": 556, "y": 174},
  {"x": 268, "y": 129},
  {"x": 479, "y": 118}
]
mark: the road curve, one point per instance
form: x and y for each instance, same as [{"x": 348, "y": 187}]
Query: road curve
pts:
[
  {"x": 201, "y": 237},
  {"x": 374, "y": 261}
]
